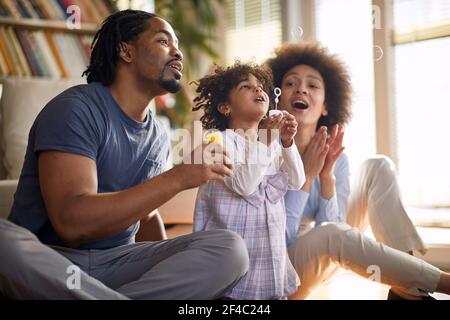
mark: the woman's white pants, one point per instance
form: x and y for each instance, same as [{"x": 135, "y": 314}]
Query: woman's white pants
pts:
[{"x": 375, "y": 200}]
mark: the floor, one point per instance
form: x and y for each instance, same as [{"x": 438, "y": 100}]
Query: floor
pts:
[{"x": 345, "y": 285}]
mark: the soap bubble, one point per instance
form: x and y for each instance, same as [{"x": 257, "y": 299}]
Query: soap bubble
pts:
[
  {"x": 297, "y": 33},
  {"x": 377, "y": 53}
]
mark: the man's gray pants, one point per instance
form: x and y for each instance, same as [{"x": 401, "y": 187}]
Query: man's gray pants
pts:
[{"x": 202, "y": 265}]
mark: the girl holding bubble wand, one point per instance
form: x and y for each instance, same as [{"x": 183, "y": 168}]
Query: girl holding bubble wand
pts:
[{"x": 250, "y": 202}]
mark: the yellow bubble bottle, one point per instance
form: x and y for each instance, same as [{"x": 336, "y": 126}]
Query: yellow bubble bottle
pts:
[{"x": 216, "y": 137}]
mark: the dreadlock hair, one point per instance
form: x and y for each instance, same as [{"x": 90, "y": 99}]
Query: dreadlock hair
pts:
[
  {"x": 214, "y": 89},
  {"x": 338, "y": 87},
  {"x": 122, "y": 26}
]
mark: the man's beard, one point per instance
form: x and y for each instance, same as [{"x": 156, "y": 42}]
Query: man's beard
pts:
[{"x": 172, "y": 86}]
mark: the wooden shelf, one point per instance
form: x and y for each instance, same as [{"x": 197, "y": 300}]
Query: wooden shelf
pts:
[{"x": 50, "y": 25}]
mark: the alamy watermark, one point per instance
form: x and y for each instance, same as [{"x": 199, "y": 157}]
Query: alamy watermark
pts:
[
  {"x": 256, "y": 150},
  {"x": 376, "y": 17},
  {"x": 375, "y": 273},
  {"x": 74, "y": 19},
  {"x": 73, "y": 281}
]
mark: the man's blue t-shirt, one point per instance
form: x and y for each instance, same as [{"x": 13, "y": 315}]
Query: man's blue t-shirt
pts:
[{"x": 86, "y": 120}]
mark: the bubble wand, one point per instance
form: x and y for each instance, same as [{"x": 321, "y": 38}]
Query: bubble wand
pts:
[{"x": 277, "y": 92}]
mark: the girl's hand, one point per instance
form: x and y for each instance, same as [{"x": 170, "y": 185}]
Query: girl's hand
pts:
[
  {"x": 335, "y": 149},
  {"x": 272, "y": 125},
  {"x": 314, "y": 155},
  {"x": 288, "y": 130}
]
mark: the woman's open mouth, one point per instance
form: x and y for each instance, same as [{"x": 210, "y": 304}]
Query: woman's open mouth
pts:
[{"x": 300, "y": 105}]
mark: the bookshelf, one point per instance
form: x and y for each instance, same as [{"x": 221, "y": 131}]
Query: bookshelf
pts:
[
  {"x": 50, "y": 25},
  {"x": 36, "y": 39}
]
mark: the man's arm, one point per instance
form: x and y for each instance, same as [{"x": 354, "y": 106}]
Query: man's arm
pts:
[
  {"x": 151, "y": 228},
  {"x": 78, "y": 213}
]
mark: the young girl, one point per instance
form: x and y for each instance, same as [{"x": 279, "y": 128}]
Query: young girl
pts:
[{"x": 250, "y": 202}]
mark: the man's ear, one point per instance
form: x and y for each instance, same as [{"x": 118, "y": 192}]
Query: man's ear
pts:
[{"x": 125, "y": 52}]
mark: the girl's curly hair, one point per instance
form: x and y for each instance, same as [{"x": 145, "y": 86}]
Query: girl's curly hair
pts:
[
  {"x": 214, "y": 89},
  {"x": 338, "y": 88}
]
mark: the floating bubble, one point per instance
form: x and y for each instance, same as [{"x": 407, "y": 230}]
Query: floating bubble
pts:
[
  {"x": 297, "y": 33},
  {"x": 377, "y": 53}
]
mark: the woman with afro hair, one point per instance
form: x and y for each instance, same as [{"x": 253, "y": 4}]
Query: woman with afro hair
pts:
[{"x": 326, "y": 218}]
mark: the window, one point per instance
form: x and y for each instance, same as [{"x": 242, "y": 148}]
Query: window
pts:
[
  {"x": 350, "y": 37},
  {"x": 146, "y": 5},
  {"x": 414, "y": 14},
  {"x": 422, "y": 98},
  {"x": 253, "y": 29}
]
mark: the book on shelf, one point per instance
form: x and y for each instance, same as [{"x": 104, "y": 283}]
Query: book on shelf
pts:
[
  {"x": 57, "y": 55},
  {"x": 26, "y": 45},
  {"x": 5, "y": 51},
  {"x": 93, "y": 11},
  {"x": 22, "y": 62},
  {"x": 39, "y": 49},
  {"x": 42, "y": 53}
]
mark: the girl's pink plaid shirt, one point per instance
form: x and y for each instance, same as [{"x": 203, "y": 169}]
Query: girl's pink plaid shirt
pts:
[{"x": 260, "y": 219}]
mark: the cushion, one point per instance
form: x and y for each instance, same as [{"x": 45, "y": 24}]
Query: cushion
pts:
[
  {"x": 2, "y": 168},
  {"x": 7, "y": 190},
  {"x": 22, "y": 99}
]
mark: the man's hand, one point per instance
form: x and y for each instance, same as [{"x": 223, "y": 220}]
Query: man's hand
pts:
[
  {"x": 79, "y": 213},
  {"x": 288, "y": 130},
  {"x": 206, "y": 162}
]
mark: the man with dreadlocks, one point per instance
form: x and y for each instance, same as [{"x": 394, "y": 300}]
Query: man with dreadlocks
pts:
[{"x": 93, "y": 172}]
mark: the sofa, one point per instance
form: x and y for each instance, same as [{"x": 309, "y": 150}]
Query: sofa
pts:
[{"x": 21, "y": 101}]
